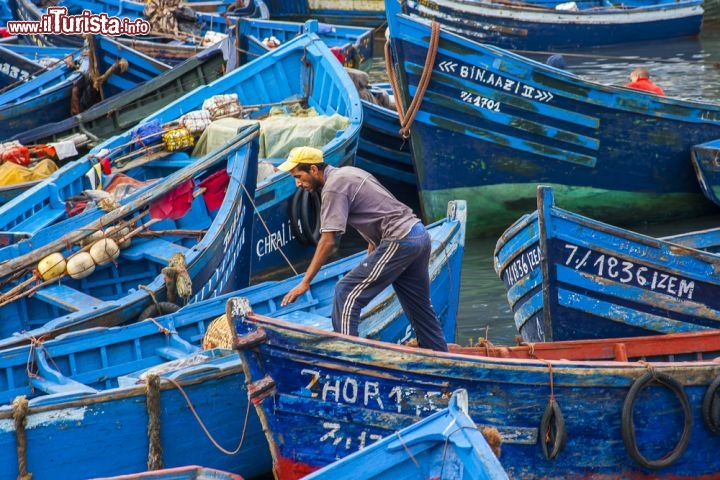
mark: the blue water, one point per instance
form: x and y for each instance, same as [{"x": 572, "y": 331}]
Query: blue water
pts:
[{"x": 688, "y": 68}]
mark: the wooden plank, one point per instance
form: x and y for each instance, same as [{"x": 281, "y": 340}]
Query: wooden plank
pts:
[
  {"x": 67, "y": 297},
  {"x": 155, "y": 249}
]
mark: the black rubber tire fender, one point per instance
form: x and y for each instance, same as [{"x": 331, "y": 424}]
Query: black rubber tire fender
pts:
[
  {"x": 294, "y": 215},
  {"x": 310, "y": 216},
  {"x": 552, "y": 430},
  {"x": 305, "y": 216},
  {"x": 152, "y": 311},
  {"x": 709, "y": 406},
  {"x": 628, "y": 426}
]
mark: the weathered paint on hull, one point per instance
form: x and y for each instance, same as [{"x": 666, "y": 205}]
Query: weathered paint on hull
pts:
[
  {"x": 217, "y": 262},
  {"x": 494, "y": 208},
  {"x": 96, "y": 376},
  {"x": 522, "y": 122},
  {"x": 335, "y": 394},
  {"x": 109, "y": 436},
  {"x": 366, "y": 13},
  {"x": 447, "y": 444},
  {"x": 533, "y": 26},
  {"x": 569, "y": 277}
]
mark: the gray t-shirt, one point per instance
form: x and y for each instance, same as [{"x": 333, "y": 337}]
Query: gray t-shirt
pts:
[{"x": 353, "y": 196}]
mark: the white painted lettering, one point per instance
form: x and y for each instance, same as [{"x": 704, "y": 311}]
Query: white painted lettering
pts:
[
  {"x": 331, "y": 386},
  {"x": 372, "y": 391},
  {"x": 314, "y": 377},
  {"x": 350, "y": 390},
  {"x": 686, "y": 288}
]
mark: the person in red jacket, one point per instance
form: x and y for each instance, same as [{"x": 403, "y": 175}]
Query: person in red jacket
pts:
[{"x": 640, "y": 80}]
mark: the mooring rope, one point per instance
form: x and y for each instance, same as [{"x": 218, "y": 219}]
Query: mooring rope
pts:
[
  {"x": 154, "y": 461},
  {"x": 20, "y": 412},
  {"x": 202, "y": 424},
  {"x": 408, "y": 116}
]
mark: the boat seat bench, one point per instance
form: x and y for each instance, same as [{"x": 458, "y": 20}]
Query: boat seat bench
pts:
[
  {"x": 66, "y": 386},
  {"x": 173, "y": 353},
  {"x": 66, "y": 297},
  {"x": 155, "y": 249},
  {"x": 39, "y": 219}
]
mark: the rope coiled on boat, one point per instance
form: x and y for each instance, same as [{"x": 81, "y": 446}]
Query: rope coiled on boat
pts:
[{"x": 177, "y": 279}]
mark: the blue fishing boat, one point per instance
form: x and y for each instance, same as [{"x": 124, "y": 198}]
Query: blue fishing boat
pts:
[
  {"x": 209, "y": 27},
  {"x": 15, "y": 68},
  {"x": 70, "y": 88},
  {"x": 587, "y": 412},
  {"x": 301, "y": 75},
  {"x": 118, "y": 113},
  {"x": 145, "y": 411},
  {"x": 704, "y": 160},
  {"x": 571, "y": 277},
  {"x": 364, "y": 13},
  {"x": 522, "y": 123},
  {"x": 543, "y": 25},
  {"x": 445, "y": 445},
  {"x": 19, "y": 62},
  {"x": 95, "y": 383},
  {"x": 190, "y": 472},
  {"x": 163, "y": 30},
  {"x": 153, "y": 244},
  {"x": 352, "y": 45}
]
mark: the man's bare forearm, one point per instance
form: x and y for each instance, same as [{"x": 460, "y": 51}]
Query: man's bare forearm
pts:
[{"x": 324, "y": 248}]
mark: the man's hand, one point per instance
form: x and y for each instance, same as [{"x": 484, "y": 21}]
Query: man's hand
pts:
[
  {"x": 371, "y": 248},
  {"x": 294, "y": 293},
  {"x": 322, "y": 252}
]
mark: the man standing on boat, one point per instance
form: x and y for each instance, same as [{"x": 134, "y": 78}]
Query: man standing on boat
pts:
[
  {"x": 640, "y": 80},
  {"x": 398, "y": 245}
]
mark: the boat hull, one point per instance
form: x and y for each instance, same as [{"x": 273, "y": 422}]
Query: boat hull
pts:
[
  {"x": 556, "y": 419},
  {"x": 521, "y": 123},
  {"x": 541, "y": 26},
  {"x": 94, "y": 384},
  {"x": 365, "y": 13},
  {"x": 570, "y": 277}
]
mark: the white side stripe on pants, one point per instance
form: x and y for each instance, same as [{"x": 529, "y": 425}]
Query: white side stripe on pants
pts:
[{"x": 374, "y": 274}]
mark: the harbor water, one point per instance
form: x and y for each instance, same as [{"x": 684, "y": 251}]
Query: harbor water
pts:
[{"x": 686, "y": 68}]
